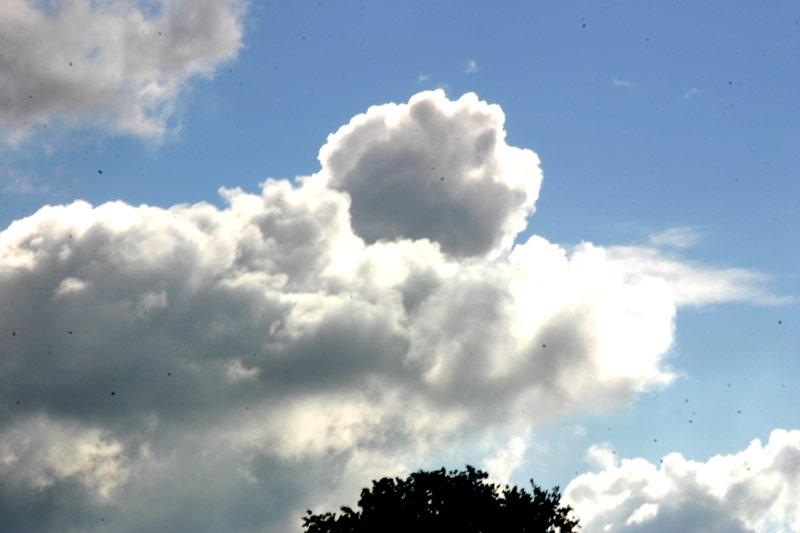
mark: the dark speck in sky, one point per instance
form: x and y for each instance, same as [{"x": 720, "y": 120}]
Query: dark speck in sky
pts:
[
  {"x": 113, "y": 393},
  {"x": 99, "y": 171},
  {"x": 13, "y": 333},
  {"x": 780, "y": 322},
  {"x": 70, "y": 332},
  {"x": 544, "y": 346}
]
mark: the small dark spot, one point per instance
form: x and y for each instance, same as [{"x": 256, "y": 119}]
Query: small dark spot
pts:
[
  {"x": 70, "y": 235},
  {"x": 584, "y": 25},
  {"x": 169, "y": 373},
  {"x": 655, "y": 440},
  {"x": 686, "y": 400},
  {"x": 730, "y": 83},
  {"x": 99, "y": 171},
  {"x": 13, "y": 333},
  {"x": 661, "y": 460},
  {"x": 780, "y": 322},
  {"x": 30, "y": 97},
  {"x": 729, "y": 384},
  {"x": 544, "y": 346},
  {"x": 304, "y": 37},
  {"x": 159, "y": 33},
  {"x": 70, "y": 332},
  {"x": 690, "y": 421},
  {"x": 70, "y": 63},
  {"x": 113, "y": 393},
  {"x": 739, "y": 412},
  {"x": 18, "y": 402},
  {"x": 441, "y": 179}
]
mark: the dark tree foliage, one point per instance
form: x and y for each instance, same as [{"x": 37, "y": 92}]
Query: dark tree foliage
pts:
[{"x": 461, "y": 502}]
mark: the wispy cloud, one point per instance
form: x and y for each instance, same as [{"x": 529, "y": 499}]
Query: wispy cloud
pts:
[
  {"x": 688, "y": 95},
  {"x": 423, "y": 77},
  {"x": 616, "y": 82},
  {"x": 679, "y": 237},
  {"x": 472, "y": 66}
]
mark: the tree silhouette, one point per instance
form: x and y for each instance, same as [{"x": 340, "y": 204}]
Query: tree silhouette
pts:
[{"x": 461, "y": 502}]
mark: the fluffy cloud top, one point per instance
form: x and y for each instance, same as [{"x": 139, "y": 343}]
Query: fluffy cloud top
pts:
[
  {"x": 434, "y": 169},
  {"x": 117, "y": 65},
  {"x": 202, "y": 369},
  {"x": 755, "y": 490}
]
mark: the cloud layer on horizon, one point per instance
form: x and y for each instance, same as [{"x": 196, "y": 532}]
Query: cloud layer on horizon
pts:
[
  {"x": 116, "y": 66},
  {"x": 277, "y": 354}
]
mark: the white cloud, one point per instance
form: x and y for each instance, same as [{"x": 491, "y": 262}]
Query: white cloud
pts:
[
  {"x": 505, "y": 461},
  {"x": 272, "y": 355},
  {"x": 116, "y": 66},
  {"x": 691, "y": 93},
  {"x": 755, "y": 490},
  {"x": 423, "y": 77},
  {"x": 616, "y": 82},
  {"x": 472, "y": 66}
]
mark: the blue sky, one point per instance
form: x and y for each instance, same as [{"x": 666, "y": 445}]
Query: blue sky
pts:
[{"x": 667, "y": 136}]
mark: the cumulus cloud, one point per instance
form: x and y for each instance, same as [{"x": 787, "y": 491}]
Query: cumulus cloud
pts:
[
  {"x": 200, "y": 367},
  {"x": 754, "y": 491},
  {"x": 117, "y": 66}
]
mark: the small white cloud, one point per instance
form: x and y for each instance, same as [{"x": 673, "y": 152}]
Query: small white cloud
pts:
[
  {"x": 472, "y": 66},
  {"x": 688, "y": 95},
  {"x": 423, "y": 77},
  {"x": 621, "y": 83}
]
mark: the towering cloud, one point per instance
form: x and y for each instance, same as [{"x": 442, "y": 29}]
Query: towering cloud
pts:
[{"x": 207, "y": 369}]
